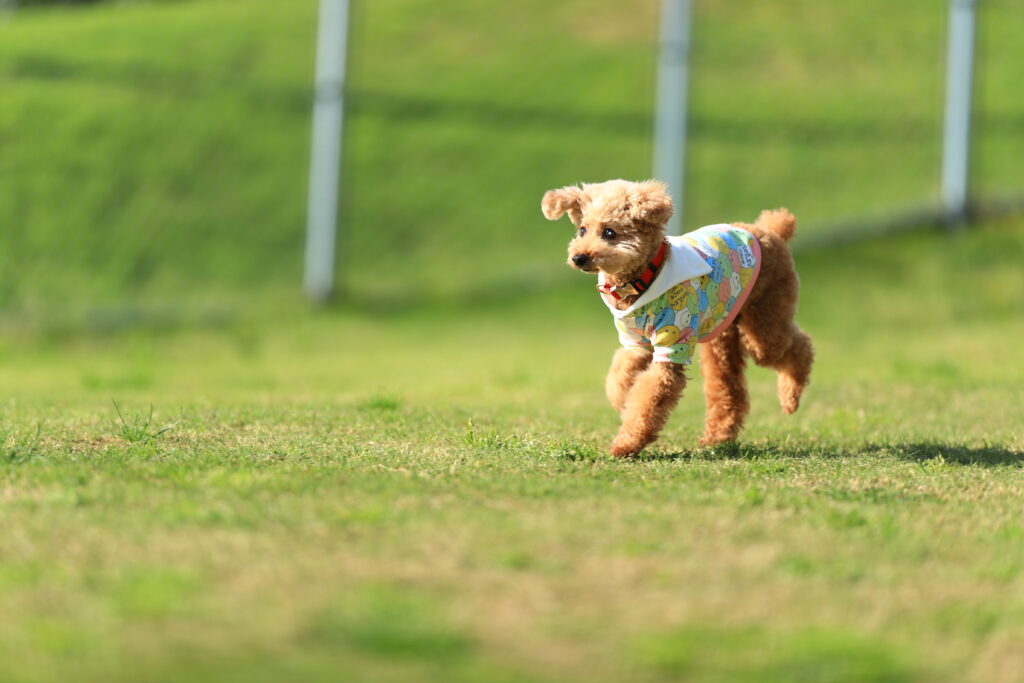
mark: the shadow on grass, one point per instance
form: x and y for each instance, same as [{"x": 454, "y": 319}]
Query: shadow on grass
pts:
[
  {"x": 958, "y": 454},
  {"x": 990, "y": 455},
  {"x": 744, "y": 451}
]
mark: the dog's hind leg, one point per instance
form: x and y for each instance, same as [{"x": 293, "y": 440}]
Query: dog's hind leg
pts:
[
  {"x": 725, "y": 387},
  {"x": 775, "y": 341},
  {"x": 627, "y": 363},
  {"x": 794, "y": 369}
]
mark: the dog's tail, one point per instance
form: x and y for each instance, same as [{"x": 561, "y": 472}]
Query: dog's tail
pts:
[{"x": 779, "y": 221}]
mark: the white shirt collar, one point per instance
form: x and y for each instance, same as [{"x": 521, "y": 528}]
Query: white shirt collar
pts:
[{"x": 682, "y": 262}]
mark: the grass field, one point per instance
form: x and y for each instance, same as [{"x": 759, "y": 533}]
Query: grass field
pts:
[
  {"x": 155, "y": 155},
  {"x": 372, "y": 494},
  {"x": 203, "y": 479}
]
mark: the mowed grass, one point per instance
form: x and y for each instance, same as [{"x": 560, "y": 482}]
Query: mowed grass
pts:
[
  {"x": 372, "y": 494},
  {"x": 413, "y": 486}
]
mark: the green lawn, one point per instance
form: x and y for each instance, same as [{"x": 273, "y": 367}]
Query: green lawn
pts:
[
  {"x": 154, "y": 156},
  {"x": 377, "y": 494},
  {"x": 203, "y": 479}
]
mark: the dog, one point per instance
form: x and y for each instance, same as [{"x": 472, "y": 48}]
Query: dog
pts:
[{"x": 729, "y": 289}]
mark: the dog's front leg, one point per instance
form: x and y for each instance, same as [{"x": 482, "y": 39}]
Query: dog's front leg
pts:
[
  {"x": 627, "y": 363},
  {"x": 650, "y": 400}
]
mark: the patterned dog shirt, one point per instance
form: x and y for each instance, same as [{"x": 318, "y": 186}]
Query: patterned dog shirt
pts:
[{"x": 703, "y": 284}]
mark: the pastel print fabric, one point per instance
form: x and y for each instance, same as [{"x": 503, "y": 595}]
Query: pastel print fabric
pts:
[{"x": 697, "y": 309}]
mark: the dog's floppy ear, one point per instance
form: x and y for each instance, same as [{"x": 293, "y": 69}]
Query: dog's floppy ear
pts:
[
  {"x": 649, "y": 202},
  {"x": 565, "y": 200}
]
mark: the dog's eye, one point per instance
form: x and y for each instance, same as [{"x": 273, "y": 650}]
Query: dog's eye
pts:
[
  {"x": 608, "y": 234},
  {"x": 583, "y": 231}
]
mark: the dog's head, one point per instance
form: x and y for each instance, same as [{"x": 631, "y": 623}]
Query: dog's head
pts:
[{"x": 619, "y": 224}]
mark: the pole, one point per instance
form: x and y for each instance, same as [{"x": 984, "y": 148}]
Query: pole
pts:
[
  {"x": 957, "y": 133},
  {"x": 670, "y": 114},
  {"x": 325, "y": 154}
]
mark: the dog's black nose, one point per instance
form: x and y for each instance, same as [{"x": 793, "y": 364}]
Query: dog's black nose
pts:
[{"x": 580, "y": 260}]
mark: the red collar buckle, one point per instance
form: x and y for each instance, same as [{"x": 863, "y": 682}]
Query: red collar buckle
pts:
[{"x": 640, "y": 284}]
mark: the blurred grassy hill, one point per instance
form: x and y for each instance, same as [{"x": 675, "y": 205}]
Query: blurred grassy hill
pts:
[{"x": 155, "y": 156}]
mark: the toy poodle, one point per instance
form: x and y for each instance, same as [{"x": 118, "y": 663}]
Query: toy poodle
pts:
[{"x": 732, "y": 288}]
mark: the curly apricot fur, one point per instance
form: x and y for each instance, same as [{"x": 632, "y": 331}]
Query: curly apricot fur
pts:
[{"x": 645, "y": 393}]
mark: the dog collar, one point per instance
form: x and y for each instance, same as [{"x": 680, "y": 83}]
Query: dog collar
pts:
[{"x": 640, "y": 284}]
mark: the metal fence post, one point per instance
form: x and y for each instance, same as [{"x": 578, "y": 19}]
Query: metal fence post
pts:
[
  {"x": 670, "y": 114},
  {"x": 957, "y": 132},
  {"x": 325, "y": 153}
]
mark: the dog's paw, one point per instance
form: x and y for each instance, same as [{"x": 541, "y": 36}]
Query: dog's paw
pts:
[
  {"x": 625, "y": 446},
  {"x": 789, "y": 400},
  {"x": 620, "y": 451},
  {"x": 790, "y": 390}
]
